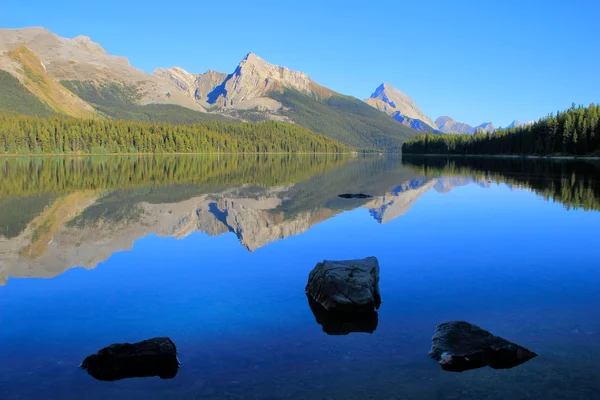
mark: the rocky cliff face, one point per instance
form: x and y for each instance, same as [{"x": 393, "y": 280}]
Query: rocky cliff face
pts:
[
  {"x": 84, "y": 60},
  {"x": 254, "y": 78},
  {"x": 392, "y": 101},
  {"x": 195, "y": 86},
  {"x": 246, "y": 88}
]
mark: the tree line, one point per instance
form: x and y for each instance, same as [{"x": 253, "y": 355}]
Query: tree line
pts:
[
  {"x": 576, "y": 185},
  {"x": 575, "y": 131},
  {"x": 21, "y": 134}
]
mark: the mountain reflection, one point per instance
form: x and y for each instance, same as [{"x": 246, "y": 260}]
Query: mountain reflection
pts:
[{"x": 58, "y": 213}]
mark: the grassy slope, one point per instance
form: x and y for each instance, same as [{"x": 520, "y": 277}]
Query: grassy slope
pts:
[
  {"x": 120, "y": 102},
  {"x": 15, "y": 98},
  {"x": 345, "y": 119},
  {"x": 38, "y": 82}
]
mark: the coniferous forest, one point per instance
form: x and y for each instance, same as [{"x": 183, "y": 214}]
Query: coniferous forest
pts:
[
  {"x": 572, "y": 132},
  {"x": 21, "y": 134}
]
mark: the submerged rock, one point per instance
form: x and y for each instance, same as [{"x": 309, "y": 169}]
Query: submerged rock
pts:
[
  {"x": 354, "y": 196},
  {"x": 346, "y": 286},
  {"x": 460, "y": 346},
  {"x": 152, "y": 357},
  {"x": 343, "y": 323}
]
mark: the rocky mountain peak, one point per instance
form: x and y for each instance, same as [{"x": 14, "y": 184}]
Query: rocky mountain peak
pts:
[
  {"x": 393, "y": 102},
  {"x": 486, "y": 127},
  {"x": 86, "y": 43},
  {"x": 255, "y": 78},
  {"x": 442, "y": 119}
]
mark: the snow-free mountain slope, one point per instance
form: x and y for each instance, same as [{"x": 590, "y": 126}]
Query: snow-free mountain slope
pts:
[
  {"x": 449, "y": 125},
  {"x": 81, "y": 59},
  {"x": 486, "y": 127},
  {"x": 392, "y": 101},
  {"x": 195, "y": 86}
]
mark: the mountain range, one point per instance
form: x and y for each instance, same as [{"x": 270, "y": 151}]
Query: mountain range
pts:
[{"x": 42, "y": 73}]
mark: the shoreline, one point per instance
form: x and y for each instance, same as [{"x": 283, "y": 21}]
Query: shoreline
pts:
[{"x": 570, "y": 158}]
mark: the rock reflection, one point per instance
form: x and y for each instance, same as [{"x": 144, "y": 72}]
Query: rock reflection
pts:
[
  {"x": 343, "y": 323},
  {"x": 152, "y": 357}
]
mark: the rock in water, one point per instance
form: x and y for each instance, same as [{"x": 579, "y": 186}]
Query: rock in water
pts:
[
  {"x": 460, "y": 346},
  {"x": 343, "y": 323},
  {"x": 346, "y": 286},
  {"x": 152, "y": 357},
  {"x": 354, "y": 196}
]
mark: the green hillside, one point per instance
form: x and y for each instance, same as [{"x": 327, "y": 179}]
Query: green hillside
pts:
[
  {"x": 15, "y": 98},
  {"x": 345, "y": 119},
  {"x": 120, "y": 102}
]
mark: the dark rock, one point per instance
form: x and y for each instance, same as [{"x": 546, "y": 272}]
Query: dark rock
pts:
[
  {"x": 341, "y": 322},
  {"x": 354, "y": 196},
  {"x": 350, "y": 286},
  {"x": 460, "y": 346},
  {"x": 152, "y": 357}
]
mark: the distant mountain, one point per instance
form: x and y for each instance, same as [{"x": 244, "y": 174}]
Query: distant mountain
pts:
[
  {"x": 399, "y": 106},
  {"x": 486, "y": 127},
  {"x": 448, "y": 125},
  {"x": 517, "y": 124}
]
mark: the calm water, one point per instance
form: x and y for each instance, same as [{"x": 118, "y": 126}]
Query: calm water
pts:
[{"x": 215, "y": 253}]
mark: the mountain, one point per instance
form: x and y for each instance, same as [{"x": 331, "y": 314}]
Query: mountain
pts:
[
  {"x": 77, "y": 77},
  {"x": 84, "y": 61},
  {"x": 448, "y": 125},
  {"x": 517, "y": 124},
  {"x": 399, "y": 106},
  {"x": 486, "y": 127},
  {"x": 247, "y": 88},
  {"x": 29, "y": 74},
  {"x": 260, "y": 90},
  {"x": 195, "y": 86}
]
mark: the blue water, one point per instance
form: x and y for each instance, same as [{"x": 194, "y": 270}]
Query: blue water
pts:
[{"x": 504, "y": 258}]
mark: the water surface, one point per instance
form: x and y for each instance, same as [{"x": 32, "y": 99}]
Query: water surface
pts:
[{"x": 215, "y": 253}]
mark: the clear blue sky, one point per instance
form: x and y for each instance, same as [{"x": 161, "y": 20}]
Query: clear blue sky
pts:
[{"x": 473, "y": 60}]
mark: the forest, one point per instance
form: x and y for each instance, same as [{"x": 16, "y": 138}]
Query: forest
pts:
[
  {"x": 20, "y": 134},
  {"x": 574, "y": 132}
]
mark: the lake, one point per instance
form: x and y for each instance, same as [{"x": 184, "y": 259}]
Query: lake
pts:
[{"x": 214, "y": 252}]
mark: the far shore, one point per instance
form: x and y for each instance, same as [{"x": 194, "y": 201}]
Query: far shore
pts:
[{"x": 593, "y": 158}]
